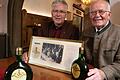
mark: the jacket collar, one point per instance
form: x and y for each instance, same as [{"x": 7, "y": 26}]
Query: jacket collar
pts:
[
  {"x": 104, "y": 28},
  {"x": 91, "y": 32}
]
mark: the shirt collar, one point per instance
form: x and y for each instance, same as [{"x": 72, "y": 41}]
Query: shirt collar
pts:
[{"x": 96, "y": 29}]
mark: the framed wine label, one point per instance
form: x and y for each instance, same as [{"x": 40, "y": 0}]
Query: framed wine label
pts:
[{"x": 53, "y": 53}]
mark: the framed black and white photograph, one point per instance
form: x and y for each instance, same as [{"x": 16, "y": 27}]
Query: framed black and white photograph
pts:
[{"x": 53, "y": 53}]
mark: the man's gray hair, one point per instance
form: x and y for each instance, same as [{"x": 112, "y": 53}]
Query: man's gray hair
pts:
[{"x": 60, "y": 1}]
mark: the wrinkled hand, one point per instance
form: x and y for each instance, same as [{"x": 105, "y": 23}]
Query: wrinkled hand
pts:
[
  {"x": 25, "y": 57},
  {"x": 95, "y": 74}
]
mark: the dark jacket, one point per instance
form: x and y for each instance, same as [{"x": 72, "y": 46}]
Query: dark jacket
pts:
[
  {"x": 68, "y": 31},
  {"x": 103, "y": 50}
]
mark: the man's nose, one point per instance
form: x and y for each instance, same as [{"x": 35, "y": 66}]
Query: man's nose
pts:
[{"x": 58, "y": 13}]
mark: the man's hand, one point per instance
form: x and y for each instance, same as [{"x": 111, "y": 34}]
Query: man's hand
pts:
[
  {"x": 25, "y": 57},
  {"x": 95, "y": 74}
]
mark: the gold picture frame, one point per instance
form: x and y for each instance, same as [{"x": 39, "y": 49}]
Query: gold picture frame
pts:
[{"x": 53, "y": 53}]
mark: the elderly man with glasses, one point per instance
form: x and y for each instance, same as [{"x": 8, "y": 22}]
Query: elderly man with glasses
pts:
[{"x": 102, "y": 44}]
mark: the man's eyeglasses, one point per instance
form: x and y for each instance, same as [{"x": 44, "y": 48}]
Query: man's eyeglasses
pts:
[
  {"x": 101, "y": 12},
  {"x": 59, "y": 11}
]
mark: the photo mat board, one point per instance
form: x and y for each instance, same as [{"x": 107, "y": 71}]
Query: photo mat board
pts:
[{"x": 53, "y": 53}]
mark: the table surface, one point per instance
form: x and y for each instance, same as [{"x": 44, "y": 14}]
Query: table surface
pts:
[{"x": 39, "y": 73}]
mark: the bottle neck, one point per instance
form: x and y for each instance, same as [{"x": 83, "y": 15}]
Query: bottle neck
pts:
[
  {"x": 18, "y": 58},
  {"x": 19, "y": 54},
  {"x": 81, "y": 53}
]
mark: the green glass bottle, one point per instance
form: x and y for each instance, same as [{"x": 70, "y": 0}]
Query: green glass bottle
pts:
[
  {"x": 79, "y": 68},
  {"x": 19, "y": 70}
]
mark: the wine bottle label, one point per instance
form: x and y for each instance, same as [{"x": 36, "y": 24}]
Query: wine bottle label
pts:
[
  {"x": 75, "y": 70},
  {"x": 19, "y": 74}
]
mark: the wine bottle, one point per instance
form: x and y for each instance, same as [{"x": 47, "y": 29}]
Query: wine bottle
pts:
[
  {"x": 19, "y": 70},
  {"x": 79, "y": 68}
]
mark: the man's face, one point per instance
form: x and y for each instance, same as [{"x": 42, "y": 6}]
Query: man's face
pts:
[
  {"x": 99, "y": 14},
  {"x": 59, "y": 12}
]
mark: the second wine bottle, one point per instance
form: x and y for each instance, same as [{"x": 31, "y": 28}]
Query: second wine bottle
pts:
[{"x": 79, "y": 68}]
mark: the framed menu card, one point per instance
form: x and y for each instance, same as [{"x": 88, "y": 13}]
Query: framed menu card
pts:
[{"x": 52, "y": 53}]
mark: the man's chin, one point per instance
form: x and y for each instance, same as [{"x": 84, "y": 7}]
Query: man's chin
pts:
[
  {"x": 58, "y": 22},
  {"x": 99, "y": 26}
]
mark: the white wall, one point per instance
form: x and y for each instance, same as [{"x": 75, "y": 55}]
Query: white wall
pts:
[
  {"x": 3, "y": 16},
  {"x": 42, "y": 7}
]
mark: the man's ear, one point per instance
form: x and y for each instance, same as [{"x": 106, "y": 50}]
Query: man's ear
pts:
[{"x": 109, "y": 14}]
